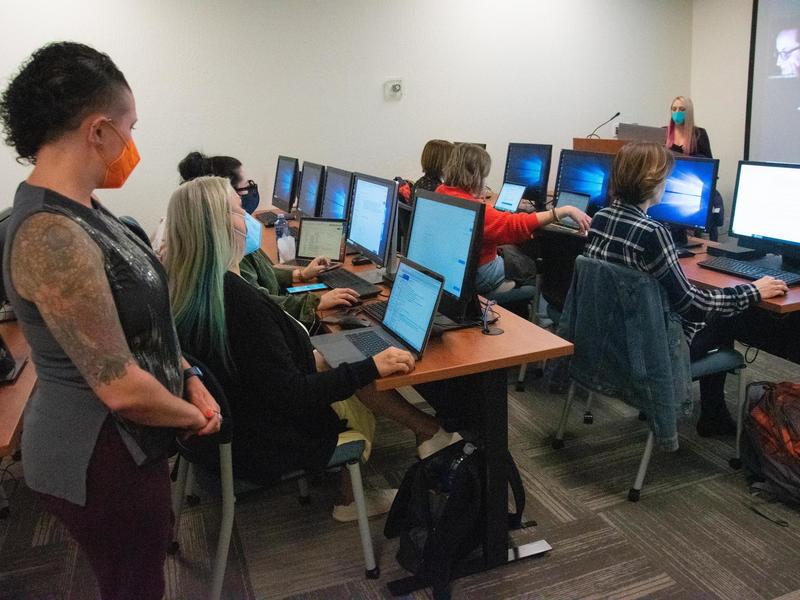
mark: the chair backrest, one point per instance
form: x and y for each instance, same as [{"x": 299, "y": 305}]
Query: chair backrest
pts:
[
  {"x": 134, "y": 226},
  {"x": 204, "y": 450}
]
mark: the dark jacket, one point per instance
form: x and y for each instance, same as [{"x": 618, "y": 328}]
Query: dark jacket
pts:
[
  {"x": 281, "y": 409},
  {"x": 628, "y": 344}
]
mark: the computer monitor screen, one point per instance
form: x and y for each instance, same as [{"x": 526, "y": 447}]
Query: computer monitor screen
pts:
[
  {"x": 529, "y": 165},
  {"x": 766, "y": 207},
  {"x": 509, "y": 198},
  {"x": 285, "y": 183},
  {"x": 585, "y": 173},
  {"x": 372, "y": 216},
  {"x": 310, "y": 188},
  {"x": 412, "y": 305},
  {"x": 443, "y": 238},
  {"x": 321, "y": 237},
  {"x": 336, "y": 194},
  {"x": 687, "y": 196}
]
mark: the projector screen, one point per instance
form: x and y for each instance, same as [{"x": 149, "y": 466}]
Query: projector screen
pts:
[{"x": 773, "y": 104}]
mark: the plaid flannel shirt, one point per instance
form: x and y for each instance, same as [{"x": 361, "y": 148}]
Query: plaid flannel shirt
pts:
[{"x": 624, "y": 234}]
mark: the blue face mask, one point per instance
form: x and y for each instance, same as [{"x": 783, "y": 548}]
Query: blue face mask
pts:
[
  {"x": 678, "y": 117},
  {"x": 252, "y": 240}
]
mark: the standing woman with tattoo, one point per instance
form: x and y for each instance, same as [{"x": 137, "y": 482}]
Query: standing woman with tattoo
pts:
[{"x": 93, "y": 304}]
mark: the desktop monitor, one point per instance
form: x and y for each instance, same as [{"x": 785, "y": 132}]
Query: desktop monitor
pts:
[
  {"x": 585, "y": 173},
  {"x": 766, "y": 209},
  {"x": 529, "y": 165},
  {"x": 286, "y": 175},
  {"x": 372, "y": 213},
  {"x": 336, "y": 194},
  {"x": 686, "y": 202},
  {"x": 310, "y": 189},
  {"x": 445, "y": 237}
]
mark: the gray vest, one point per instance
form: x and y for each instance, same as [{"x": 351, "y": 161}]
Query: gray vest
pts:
[{"x": 64, "y": 416}]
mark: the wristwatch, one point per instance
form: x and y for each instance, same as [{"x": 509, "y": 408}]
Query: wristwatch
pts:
[{"x": 192, "y": 372}]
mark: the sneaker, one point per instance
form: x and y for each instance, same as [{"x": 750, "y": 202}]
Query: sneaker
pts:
[
  {"x": 441, "y": 439},
  {"x": 723, "y": 426},
  {"x": 378, "y": 503}
]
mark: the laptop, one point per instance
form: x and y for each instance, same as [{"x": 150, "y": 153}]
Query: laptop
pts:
[
  {"x": 406, "y": 325},
  {"x": 641, "y": 133},
  {"x": 579, "y": 201},
  {"x": 510, "y": 197},
  {"x": 320, "y": 237}
]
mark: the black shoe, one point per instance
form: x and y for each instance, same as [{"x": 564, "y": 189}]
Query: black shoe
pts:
[{"x": 717, "y": 426}]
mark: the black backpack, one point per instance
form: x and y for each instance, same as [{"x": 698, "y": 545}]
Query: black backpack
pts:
[{"x": 439, "y": 529}]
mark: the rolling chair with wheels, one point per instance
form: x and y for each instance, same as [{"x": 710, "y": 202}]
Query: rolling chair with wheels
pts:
[
  {"x": 594, "y": 324},
  {"x": 215, "y": 452}
]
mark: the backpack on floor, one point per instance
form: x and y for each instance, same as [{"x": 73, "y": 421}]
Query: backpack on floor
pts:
[
  {"x": 437, "y": 529},
  {"x": 772, "y": 445}
]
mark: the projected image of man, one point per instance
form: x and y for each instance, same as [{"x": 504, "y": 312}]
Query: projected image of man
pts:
[{"x": 787, "y": 52}]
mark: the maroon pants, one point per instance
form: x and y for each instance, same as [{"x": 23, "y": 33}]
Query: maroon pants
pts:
[{"x": 126, "y": 525}]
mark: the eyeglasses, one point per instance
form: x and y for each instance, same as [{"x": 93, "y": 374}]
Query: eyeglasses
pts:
[
  {"x": 251, "y": 185},
  {"x": 784, "y": 54}
]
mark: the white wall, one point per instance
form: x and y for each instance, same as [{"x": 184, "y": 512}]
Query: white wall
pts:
[
  {"x": 254, "y": 78},
  {"x": 720, "y": 58}
]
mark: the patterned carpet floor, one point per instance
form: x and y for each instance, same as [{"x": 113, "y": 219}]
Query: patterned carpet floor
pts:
[{"x": 694, "y": 534}]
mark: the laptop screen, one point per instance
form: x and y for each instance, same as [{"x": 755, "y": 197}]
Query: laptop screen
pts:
[
  {"x": 321, "y": 237},
  {"x": 509, "y": 198},
  {"x": 579, "y": 201},
  {"x": 412, "y": 305}
]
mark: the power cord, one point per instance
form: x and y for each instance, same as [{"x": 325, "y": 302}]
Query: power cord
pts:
[{"x": 486, "y": 329}]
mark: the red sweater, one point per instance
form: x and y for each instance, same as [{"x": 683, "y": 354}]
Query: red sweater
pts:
[{"x": 498, "y": 227}]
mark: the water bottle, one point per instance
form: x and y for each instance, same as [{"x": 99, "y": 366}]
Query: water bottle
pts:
[
  {"x": 450, "y": 474},
  {"x": 281, "y": 226}
]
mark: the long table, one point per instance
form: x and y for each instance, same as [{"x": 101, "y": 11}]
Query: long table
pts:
[{"x": 482, "y": 362}]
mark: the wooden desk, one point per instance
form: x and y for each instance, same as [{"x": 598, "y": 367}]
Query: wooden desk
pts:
[
  {"x": 14, "y": 398},
  {"x": 712, "y": 279},
  {"x": 479, "y": 364}
]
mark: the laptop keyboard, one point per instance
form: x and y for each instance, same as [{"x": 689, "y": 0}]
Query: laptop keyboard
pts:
[
  {"x": 368, "y": 342},
  {"x": 345, "y": 279},
  {"x": 376, "y": 310}
]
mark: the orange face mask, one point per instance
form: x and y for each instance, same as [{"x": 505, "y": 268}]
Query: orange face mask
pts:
[{"x": 118, "y": 170}]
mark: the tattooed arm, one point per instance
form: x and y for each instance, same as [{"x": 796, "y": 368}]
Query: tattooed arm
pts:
[{"x": 57, "y": 266}]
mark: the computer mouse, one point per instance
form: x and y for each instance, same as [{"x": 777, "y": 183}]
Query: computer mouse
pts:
[{"x": 353, "y": 322}]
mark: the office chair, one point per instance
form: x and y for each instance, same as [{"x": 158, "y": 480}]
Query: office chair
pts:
[
  {"x": 722, "y": 361},
  {"x": 214, "y": 452}
]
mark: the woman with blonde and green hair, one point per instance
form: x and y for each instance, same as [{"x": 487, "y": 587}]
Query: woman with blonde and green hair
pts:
[{"x": 287, "y": 405}]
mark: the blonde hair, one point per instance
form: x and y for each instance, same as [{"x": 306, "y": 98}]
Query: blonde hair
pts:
[
  {"x": 638, "y": 169},
  {"x": 468, "y": 168},
  {"x": 201, "y": 242},
  {"x": 435, "y": 155},
  {"x": 688, "y": 125}
]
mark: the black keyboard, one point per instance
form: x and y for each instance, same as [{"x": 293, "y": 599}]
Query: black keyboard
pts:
[
  {"x": 368, "y": 342},
  {"x": 345, "y": 279},
  {"x": 748, "y": 270},
  {"x": 268, "y": 218},
  {"x": 376, "y": 310}
]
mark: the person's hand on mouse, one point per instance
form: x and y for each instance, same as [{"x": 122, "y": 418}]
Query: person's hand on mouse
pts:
[
  {"x": 338, "y": 297},
  {"x": 769, "y": 287},
  {"x": 315, "y": 267},
  {"x": 394, "y": 361}
]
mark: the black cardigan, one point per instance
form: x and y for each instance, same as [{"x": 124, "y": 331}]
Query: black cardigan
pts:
[
  {"x": 281, "y": 405},
  {"x": 702, "y": 145}
]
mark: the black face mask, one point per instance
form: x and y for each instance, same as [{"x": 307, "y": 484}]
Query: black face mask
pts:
[{"x": 250, "y": 198}]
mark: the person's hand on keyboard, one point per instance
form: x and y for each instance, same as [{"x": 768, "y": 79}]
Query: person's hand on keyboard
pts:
[
  {"x": 394, "y": 361},
  {"x": 338, "y": 297},
  {"x": 769, "y": 287},
  {"x": 315, "y": 267}
]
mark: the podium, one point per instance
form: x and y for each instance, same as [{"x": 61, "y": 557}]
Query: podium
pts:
[{"x": 604, "y": 146}]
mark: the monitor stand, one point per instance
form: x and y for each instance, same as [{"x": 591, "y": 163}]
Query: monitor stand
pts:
[
  {"x": 776, "y": 261},
  {"x": 681, "y": 238},
  {"x": 458, "y": 315},
  {"x": 373, "y": 276}
]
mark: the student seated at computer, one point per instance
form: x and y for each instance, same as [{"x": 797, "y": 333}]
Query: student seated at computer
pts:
[
  {"x": 465, "y": 177},
  {"x": 434, "y": 158},
  {"x": 623, "y": 233},
  {"x": 287, "y": 407},
  {"x": 256, "y": 267}
]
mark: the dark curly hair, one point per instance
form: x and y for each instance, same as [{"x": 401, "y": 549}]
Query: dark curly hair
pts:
[
  {"x": 196, "y": 164},
  {"x": 53, "y": 92}
]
